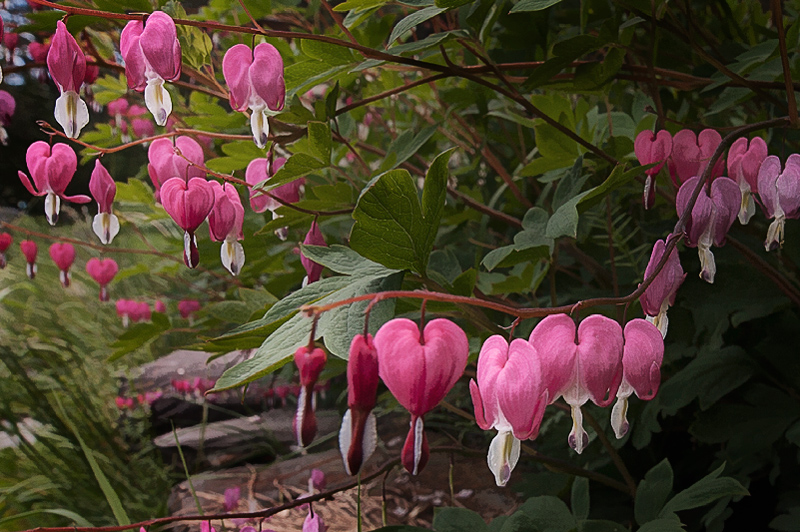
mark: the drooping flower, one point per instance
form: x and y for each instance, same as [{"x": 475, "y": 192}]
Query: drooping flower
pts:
[
  {"x": 310, "y": 362},
  {"x": 30, "y": 250},
  {"x": 255, "y": 79},
  {"x": 314, "y": 523},
  {"x": 743, "y": 165},
  {"x": 232, "y": 496},
  {"x": 188, "y": 307},
  {"x": 51, "y": 170},
  {"x": 63, "y": 254},
  {"x": 165, "y": 163},
  {"x": 358, "y": 435},
  {"x": 225, "y": 225},
  {"x": 317, "y": 481},
  {"x": 710, "y": 220},
  {"x": 510, "y": 397},
  {"x": 7, "y": 107},
  {"x": 152, "y": 55},
  {"x": 660, "y": 295},
  {"x": 419, "y": 368},
  {"x": 160, "y": 307},
  {"x": 691, "y": 153},
  {"x": 313, "y": 270},
  {"x": 641, "y": 369},
  {"x": 188, "y": 204},
  {"x": 5, "y": 243},
  {"x": 132, "y": 311},
  {"x": 142, "y": 127},
  {"x": 588, "y": 369},
  {"x": 780, "y": 195},
  {"x": 103, "y": 189},
  {"x": 67, "y": 65},
  {"x": 103, "y": 272},
  {"x": 259, "y": 171},
  {"x": 649, "y": 148}
]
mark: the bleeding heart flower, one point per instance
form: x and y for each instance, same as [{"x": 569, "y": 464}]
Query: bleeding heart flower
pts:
[
  {"x": 313, "y": 270},
  {"x": 255, "y": 79},
  {"x": 7, "y": 107},
  {"x": 165, "y": 163},
  {"x": 63, "y": 254},
  {"x": 780, "y": 195},
  {"x": 30, "y": 251},
  {"x": 651, "y": 148},
  {"x": 67, "y": 65},
  {"x": 743, "y": 165},
  {"x": 161, "y": 307},
  {"x": 187, "y": 307},
  {"x": 5, "y": 243},
  {"x": 225, "y": 225},
  {"x": 510, "y": 397},
  {"x": 103, "y": 189},
  {"x": 358, "y": 435},
  {"x": 419, "y": 368},
  {"x": 660, "y": 295},
  {"x": 142, "y": 127},
  {"x": 641, "y": 369},
  {"x": 258, "y": 172},
  {"x": 103, "y": 272},
  {"x": 711, "y": 218},
  {"x": 314, "y": 523},
  {"x": 590, "y": 368},
  {"x": 52, "y": 170},
  {"x": 690, "y": 155},
  {"x": 232, "y": 498},
  {"x": 152, "y": 55},
  {"x": 188, "y": 204},
  {"x": 310, "y": 362}
]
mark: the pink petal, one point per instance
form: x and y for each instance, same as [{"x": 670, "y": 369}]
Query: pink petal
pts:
[
  {"x": 707, "y": 141},
  {"x": 102, "y": 270},
  {"x": 187, "y": 203},
  {"x": 313, "y": 238},
  {"x": 160, "y": 46},
  {"x": 666, "y": 283},
  {"x": 701, "y": 212},
  {"x": 554, "y": 341},
  {"x": 788, "y": 185},
  {"x": 518, "y": 388},
  {"x": 362, "y": 373},
  {"x": 35, "y": 158},
  {"x": 650, "y": 148},
  {"x": 63, "y": 254},
  {"x": 26, "y": 182},
  {"x": 266, "y": 75},
  {"x": 65, "y": 60},
  {"x": 768, "y": 175},
  {"x": 744, "y": 162},
  {"x": 102, "y": 187},
  {"x": 727, "y": 199},
  {"x": 235, "y": 69},
  {"x": 600, "y": 344},
  {"x": 135, "y": 63},
  {"x": 643, "y": 351},
  {"x": 222, "y": 217},
  {"x": 684, "y": 162},
  {"x": 60, "y": 167}
]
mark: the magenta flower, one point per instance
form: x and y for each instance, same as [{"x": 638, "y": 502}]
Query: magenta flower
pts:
[
  {"x": 103, "y": 272},
  {"x": 588, "y": 369},
  {"x": 188, "y": 204},
  {"x": 52, "y": 170},
  {"x": 161, "y": 307},
  {"x": 225, "y": 225},
  {"x": 7, "y": 107},
  {"x": 67, "y": 65},
  {"x": 187, "y": 307},
  {"x": 419, "y": 368},
  {"x": 317, "y": 480},
  {"x": 780, "y": 195},
  {"x": 641, "y": 369},
  {"x": 5, "y": 243},
  {"x": 358, "y": 435},
  {"x": 743, "y": 165},
  {"x": 165, "y": 163},
  {"x": 310, "y": 362},
  {"x": 63, "y": 254},
  {"x": 691, "y": 153},
  {"x": 232, "y": 498},
  {"x": 103, "y": 189},
  {"x": 510, "y": 397},
  {"x": 255, "y": 79},
  {"x": 313, "y": 270},
  {"x": 710, "y": 220},
  {"x": 30, "y": 250},
  {"x": 142, "y": 127},
  {"x": 152, "y": 55},
  {"x": 258, "y": 172},
  {"x": 660, "y": 295},
  {"x": 651, "y": 148}
]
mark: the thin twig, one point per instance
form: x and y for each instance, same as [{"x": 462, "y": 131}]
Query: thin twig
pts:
[{"x": 777, "y": 19}]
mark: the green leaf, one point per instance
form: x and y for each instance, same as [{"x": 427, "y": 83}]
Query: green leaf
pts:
[
  {"x": 570, "y": 184},
  {"x": 457, "y": 520},
  {"x": 652, "y": 492},
  {"x": 662, "y": 525},
  {"x": 75, "y": 518},
  {"x": 616, "y": 179},
  {"x": 533, "y": 5},
  {"x": 111, "y": 496},
  {"x": 564, "y": 222},
  {"x": 414, "y": 19},
  {"x": 549, "y": 514},
  {"x": 392, "y": 227},
  {"x": 703, "y": 492},
  {"x": 580, "y": 498},
  {"x": 359, "y": 5},
  {"x": 516, "y": 522},
  {"x": 452, "y": 4}
]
